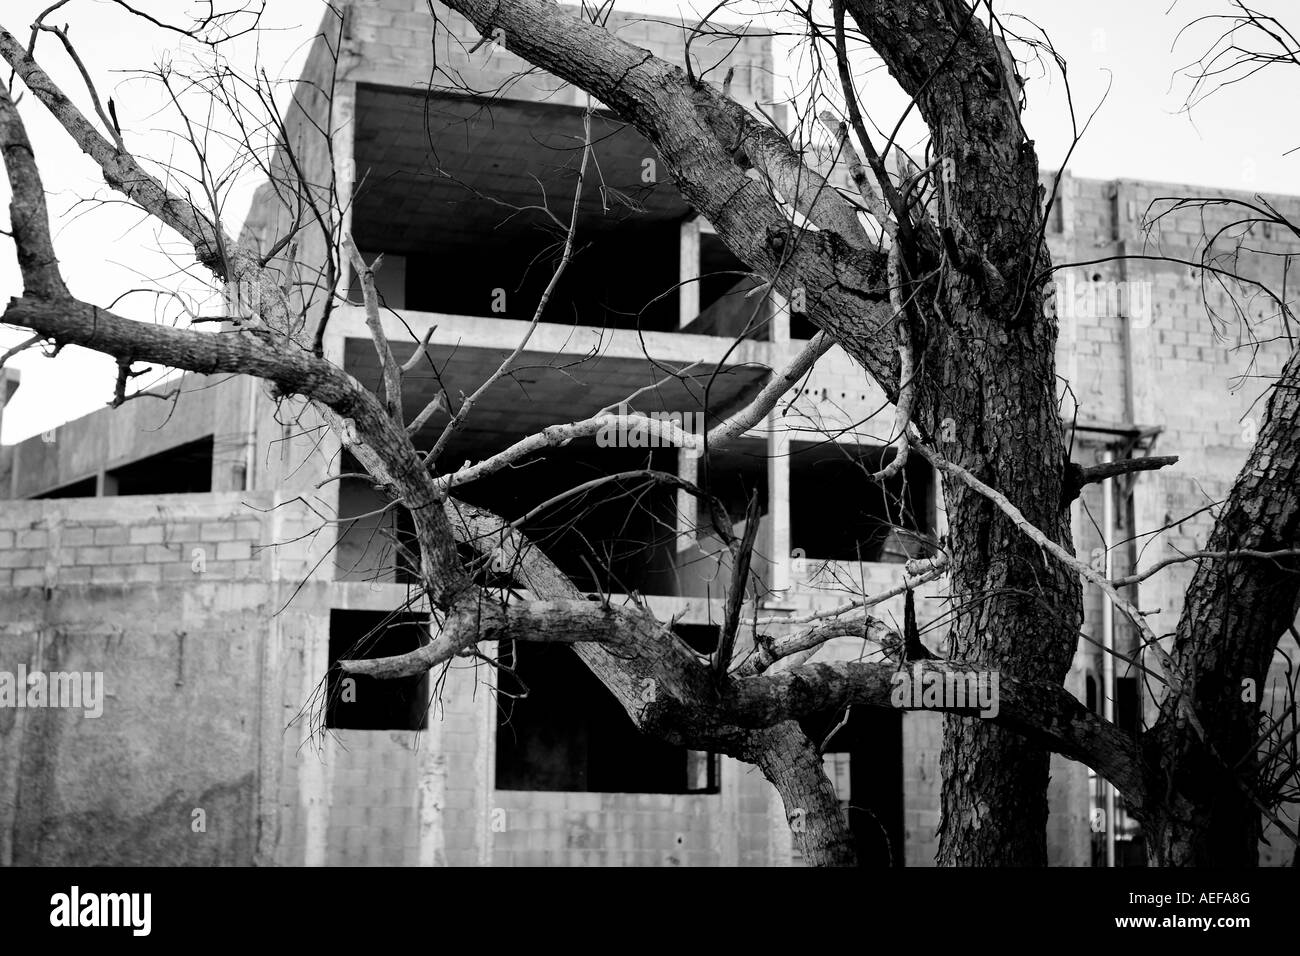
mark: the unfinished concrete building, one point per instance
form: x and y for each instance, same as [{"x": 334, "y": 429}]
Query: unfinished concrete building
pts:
[{"x": 213, "y": 556}]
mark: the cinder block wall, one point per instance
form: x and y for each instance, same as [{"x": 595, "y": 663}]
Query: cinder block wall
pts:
[
  {"x": 1193, "y": 372},
  {"x": 169, "y": 604}
]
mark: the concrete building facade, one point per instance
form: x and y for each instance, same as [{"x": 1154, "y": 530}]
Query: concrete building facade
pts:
[{"x": 213, "y": 554}]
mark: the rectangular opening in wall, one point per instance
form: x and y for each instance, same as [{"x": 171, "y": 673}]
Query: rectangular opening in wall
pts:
[
  {"x": 376, "y": 538},
  {"x": 728, "y": 306},
  {"x": 801, "y": 327},
  {"x": 612, "y": 539},
  {"x": 86, "y": 488},
  {"x": 558, "y": 728},
  {"x": 367, "y": 703},
  {"x": 837, "y": 513},
  {"x": 390, "y": 281},
  {"x": 461, "y": 186},
  {"x": 185, "y": 469},
  {"x": 734, "y": 477}
]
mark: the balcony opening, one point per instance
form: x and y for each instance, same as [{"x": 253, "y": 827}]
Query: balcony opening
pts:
[
  {"x": 86, "y": 488},
  {"x": 506, "y": 280},
  {"x": 185, "y": 469},
  {"x": 729, "y": 307},
  {"x": 474, "y": 195},
  {"x": 614, "y": 538},
  {"x": 703, "y": 561}
]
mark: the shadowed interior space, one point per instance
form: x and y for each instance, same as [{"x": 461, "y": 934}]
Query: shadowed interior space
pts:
[
  {"x": 558, "y": 728},
  {"x": 475, "y": 196},
  {"x": 367, "y": 703},
  {"x": 837, "y": 513}
]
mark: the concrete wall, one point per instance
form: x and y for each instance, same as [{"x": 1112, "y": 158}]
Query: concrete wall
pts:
[
  {"x": 166, "y": 601},
  {"x": 88, "y": 446},
  {"x": 389, "y": 45}
]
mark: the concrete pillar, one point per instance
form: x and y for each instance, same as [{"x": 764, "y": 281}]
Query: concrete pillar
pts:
[
  {"x": 1065, "y": 203},
  {"x": 688, "y": 273},
  {"x": 343, "y": 140},
  {"x": 9, "y": 381},
  {"x": 778, "y": 502},
  {"x": 688, "y": 469},
  {"x": 780, "y": 328},
  {"x": 485, "y": 754}
]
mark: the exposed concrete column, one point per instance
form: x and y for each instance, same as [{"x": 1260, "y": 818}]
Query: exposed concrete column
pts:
[
  {"x": 778, "y": 502},
  {"x": 779, "y": 332},
  {"x": 10, "y": 378},
  {"x": 938, "y": 507},
  {"x": 731, "y": 777},
  {"x": 343, "y": 108},
  {"x": 316, "y": 772},
  {"x": 688, "y": 469},
  {"x": 485, "y": 757},
  {"x": 1065, "y": 203},
  {"x": 1126, "y": 211},
  {"x": 688, "y": 273},
  {"x": 432, "y": 756},
  {"x": 778, "y": 458}
]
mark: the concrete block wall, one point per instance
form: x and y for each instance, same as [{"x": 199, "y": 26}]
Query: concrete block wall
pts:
[
  {"x": 1194, "y": 363},
  {"x": 644, "y": 829},
  {"x": 1195, "y": 376},
  {"x": 169, "y": 539},
  {"x": 835, "y": 399},
  {"x": 168, "y": 771}
]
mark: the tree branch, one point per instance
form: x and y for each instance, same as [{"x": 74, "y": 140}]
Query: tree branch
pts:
[
  {"x": 1044, "y": 712},
  {"x": 545, "y": 622},
  {"x": 1077, "y": 477}
]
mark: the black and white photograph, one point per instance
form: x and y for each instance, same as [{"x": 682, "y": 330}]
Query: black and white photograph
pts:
[{"x": 652, "y": 434}]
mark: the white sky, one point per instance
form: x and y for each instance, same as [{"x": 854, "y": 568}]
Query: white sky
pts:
[{"x": 1234, "y": 140}]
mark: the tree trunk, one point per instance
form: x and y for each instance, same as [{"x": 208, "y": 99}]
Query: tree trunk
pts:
[
  {"x": 987, "y": 399},
  {"x": 1016, "y": 610},
  {"x": 1206, "y": 819},
  {"x": 1235, "y": 611},
  {"x": 790, "y": 761}
]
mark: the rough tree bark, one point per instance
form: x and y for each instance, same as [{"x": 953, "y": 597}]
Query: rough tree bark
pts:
[
  {"x": 1234, "y": 612},
  {"x": 990, "y": 368}
]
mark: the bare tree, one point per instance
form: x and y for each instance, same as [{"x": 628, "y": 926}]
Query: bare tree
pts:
[{"x": 934, "y": 284}]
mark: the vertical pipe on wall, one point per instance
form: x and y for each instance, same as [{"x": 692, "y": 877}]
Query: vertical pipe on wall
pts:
[{"x": 1108, "y": 646}]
